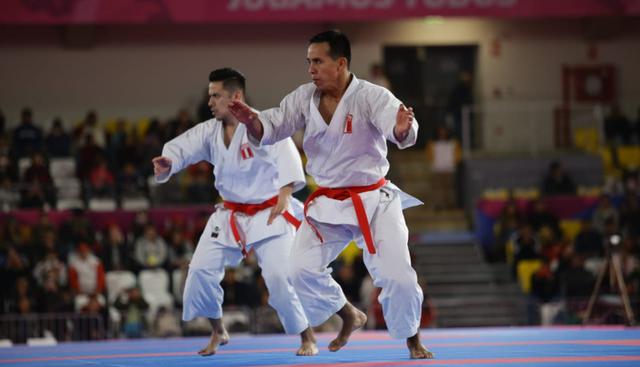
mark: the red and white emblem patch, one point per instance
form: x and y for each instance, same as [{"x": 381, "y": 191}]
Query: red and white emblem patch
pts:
[
  {"x": 245, "y": 151},
  {"x": 347, "y": 124}
]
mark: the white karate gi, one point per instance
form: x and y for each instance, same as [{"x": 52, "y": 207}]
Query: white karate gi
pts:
[
  {"x": 350, "y": 151},
  {"x": 248, "y": 175}
]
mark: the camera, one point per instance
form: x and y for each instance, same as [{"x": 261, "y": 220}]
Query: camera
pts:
[{"x": 615, "y": 239}]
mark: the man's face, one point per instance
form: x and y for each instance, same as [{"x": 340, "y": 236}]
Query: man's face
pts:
[
  {"x": 219, "y": 99},
  {"x": 323, "y": 69}
]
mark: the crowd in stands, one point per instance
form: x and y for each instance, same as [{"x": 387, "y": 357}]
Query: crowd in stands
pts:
[
  {"x": 66, "y": 267},
  {"x": 557, "y": 260},
  {"x": 106, "y": 159},
  {"x": 69, "y": 267}
]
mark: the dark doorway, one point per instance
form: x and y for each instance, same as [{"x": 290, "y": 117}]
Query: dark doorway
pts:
[{"x": 430, "y": 79}]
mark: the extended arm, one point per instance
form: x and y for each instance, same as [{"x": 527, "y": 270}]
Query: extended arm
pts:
[
  {"x": 393, "y": 119},
  {"x": 190, "y": 147},
  {"x": 275, "y": 124}
]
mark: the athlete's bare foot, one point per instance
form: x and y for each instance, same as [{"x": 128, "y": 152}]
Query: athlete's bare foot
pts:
[
  {"x": 352, "y": 319},
  {"x": 215, "y": 340},
  {"x": 308, "y": 345},
  {"x": 416, "y": 349},
  {"x": 219, "y": 336}
]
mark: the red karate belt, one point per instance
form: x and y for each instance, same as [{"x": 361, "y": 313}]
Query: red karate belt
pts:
[
  {"x": 252, "y": 209},
  {"x": 343, "y": 193}
]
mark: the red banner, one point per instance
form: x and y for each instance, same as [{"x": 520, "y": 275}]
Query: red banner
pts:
[{"x": 245, "y": 11}]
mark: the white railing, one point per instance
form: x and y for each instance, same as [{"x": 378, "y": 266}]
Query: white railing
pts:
[{"x": 527, "y": 127}]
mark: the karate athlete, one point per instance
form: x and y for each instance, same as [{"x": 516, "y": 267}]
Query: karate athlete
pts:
[
  {"x": 256, "y": 184},
  {"x": 347, "y": 122}
]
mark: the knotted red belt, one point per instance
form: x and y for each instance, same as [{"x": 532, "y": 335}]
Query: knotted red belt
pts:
[
  {"x": 343, "y": 193},
  {"x": 252, "y": 209}
]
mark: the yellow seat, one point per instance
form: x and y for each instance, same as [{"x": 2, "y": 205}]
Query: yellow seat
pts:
[
  {"x": 525, "y": 270},
  {"x": 528, "y": 193},
  {"x": 349, "y": 254},
  {"x": 629, "y": 156},
  {"x": 607, "y": 162},
  {"x": 570, "y": 228},
  {"x": 586, "y": 138},
  {"x": 142, "y": 125},
  {"x": 591, "y": 191},
  {"x": 496, "y": 194}
]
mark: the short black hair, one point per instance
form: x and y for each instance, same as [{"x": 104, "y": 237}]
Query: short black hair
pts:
[
  {"x": 231, "y": 79},
  {"x": 339, "y": 45}
]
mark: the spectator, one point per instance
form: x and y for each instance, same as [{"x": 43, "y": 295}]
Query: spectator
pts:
[
  {"x": 630, "y": 215},
  {"x": 605, "y": 211},
  {"x": 461, "y": 96},
  {"x": 378, "y": 76},
  {"x": 93, "y": 327},
  {"x": 151, "y": 146},
  {"x": 540, "y": 217},
  {"x": 350, "y": 284},
  {"x": 90, "y": 127},
  {"x": 238, "y": 293},
  {"x": 181, "y": 123},
  {"x": 557, "y": 181},
  {"x": 8, "y": 169},
  {"x": 58, "y": 141},
  {"x": 526, "y": 245},
  {"x": 166, "y": 324},
  {"x": 617, "y": 127},
  {"x": 27, "y": 137},
  {"x": 576, "y": 284},
  {"x": 116, "y": 250},
  {"x": 86, "y": 272},
  {"x": 23, "y": 298},
  {"x": 54, "y": 298},
  {"x": 180, "y": 251},
  {"x": 133, "y": 308},
  {"x": 150, "y": 249},
  {"x": 9, "y": 195},
  {"x": 87, "y": 158},
  {"x": 116, "y": 140},
  {"x": 101, "y": 180},
  {"x": 39, "y": 172},
  {"x": 3, "y": 122},
  {"x": 50, "y": 268},
  {"x": 506, "y": 226},
  {"x": 545, "y": 293},
  {"x": 204, "y": 111},
  {"x": 33, "y": 196},
  {"x": 444, "y": 154},
  {"x": 140, "y": 223},
  {"x": 588, "y": 242},
  {"x": 199, "y": 187},
  {"x": 636, "y": 128},
  {"x": 130, "y": 183},
  {"x": 76, "y": 229}
]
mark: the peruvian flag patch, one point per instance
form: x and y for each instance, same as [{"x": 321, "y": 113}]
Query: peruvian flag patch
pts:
[
  {"x": 245, "y": 151},
  {"x": 347, "y": 124}
]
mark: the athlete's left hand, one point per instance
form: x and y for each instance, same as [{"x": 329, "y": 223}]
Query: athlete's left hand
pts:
[
  {"x": 283, "y": 202},
  {"x": 404, "y": 119},
  {"x": 278, "y": 209}
]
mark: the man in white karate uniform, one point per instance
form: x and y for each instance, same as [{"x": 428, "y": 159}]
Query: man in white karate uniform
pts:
[
  {"x": 256, "y": 184},
  {"x": 347, "y": 122}
]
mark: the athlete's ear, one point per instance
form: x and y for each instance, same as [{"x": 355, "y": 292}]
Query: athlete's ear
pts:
[
  {"x": 238, "y": 95},
  {"x": 342, "y": 63}
]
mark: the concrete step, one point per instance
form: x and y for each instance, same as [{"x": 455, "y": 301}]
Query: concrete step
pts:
[
  {"x": 478, "y": 301},
  {"x": 453, "y": 267},
  {"x": 464, "y": 290},
  {"x": 452, "y": 278}
]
